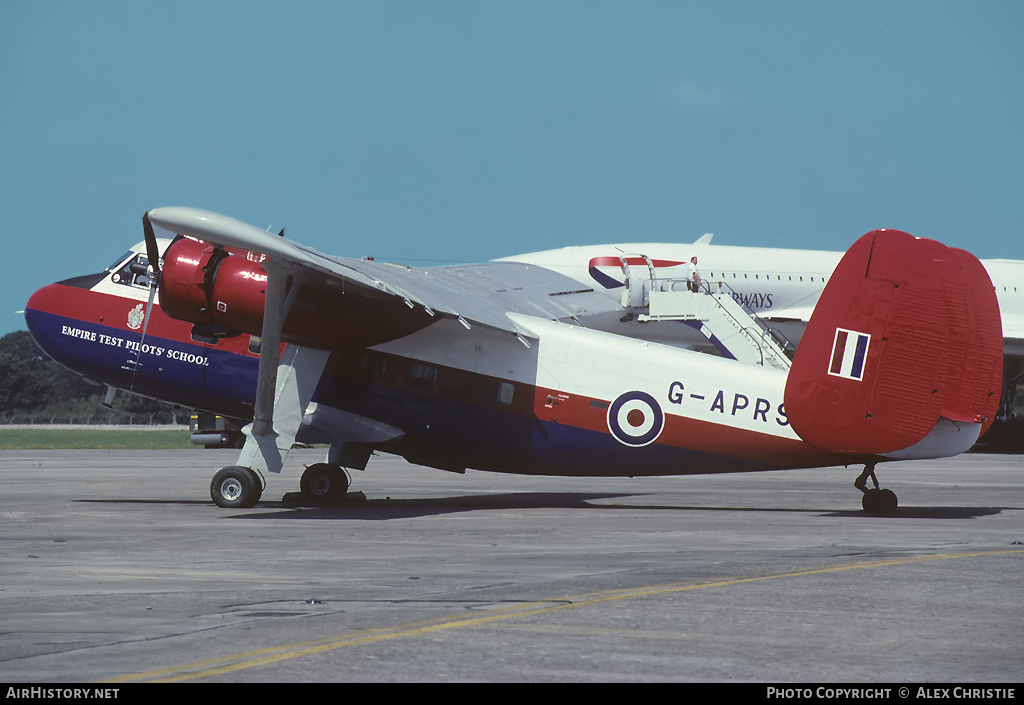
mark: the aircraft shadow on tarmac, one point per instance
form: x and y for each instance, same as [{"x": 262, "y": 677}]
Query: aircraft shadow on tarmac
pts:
[
  {"x": 388, "y": 508},
  {"x": 291, "y": 506},
  {"x": 385, "y": 509},
  {"x": 926, "y": 512}
]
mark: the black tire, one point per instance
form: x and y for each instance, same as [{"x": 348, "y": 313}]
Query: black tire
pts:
[
  {"x": 887, "y": 502},
  {"x": 258, "y": 483},
  {"x": 235, "y": 487},
  {"x": 879, "y": 501},
  {"x": 323, "y": 481}
]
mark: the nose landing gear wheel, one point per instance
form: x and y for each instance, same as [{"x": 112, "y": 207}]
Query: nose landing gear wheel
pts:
[{"x": 236, "y": 487}]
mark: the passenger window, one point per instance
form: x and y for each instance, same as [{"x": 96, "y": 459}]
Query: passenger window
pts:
[
  {"x": 373, "y": 365},
  {"x": 505, "y": 392},
  {"x": 423, "y": 376}
]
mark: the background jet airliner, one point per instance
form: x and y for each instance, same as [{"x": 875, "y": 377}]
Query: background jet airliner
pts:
[
  {"x": 781, "y": 287},
  {"x": 514, "y": 366}
]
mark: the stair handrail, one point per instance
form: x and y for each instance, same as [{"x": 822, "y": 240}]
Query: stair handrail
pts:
[
  {"x": 764, "y": 337},
  {"x": 775, "y": 337}
]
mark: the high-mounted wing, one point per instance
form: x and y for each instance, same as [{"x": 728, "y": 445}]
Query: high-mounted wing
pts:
[
  {"x": 474, "y": 294},
  {"x": 283, "y": 291}
]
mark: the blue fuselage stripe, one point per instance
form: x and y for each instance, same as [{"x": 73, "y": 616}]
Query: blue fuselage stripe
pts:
[{"x": 439, "y": 431}]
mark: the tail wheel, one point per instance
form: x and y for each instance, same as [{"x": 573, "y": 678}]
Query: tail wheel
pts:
[
  {"x": 879, "y": 501},
  {"x": 236, "y": 487},
  {"x": 323, "y": 481}
]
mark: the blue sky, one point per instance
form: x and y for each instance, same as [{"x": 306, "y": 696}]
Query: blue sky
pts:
[{"x": 434, "y": 132}]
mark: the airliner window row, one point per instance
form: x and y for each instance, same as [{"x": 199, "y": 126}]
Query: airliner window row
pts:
[
  {"x": 767, "y": 277},
  {"x": 798, "y": 278}
]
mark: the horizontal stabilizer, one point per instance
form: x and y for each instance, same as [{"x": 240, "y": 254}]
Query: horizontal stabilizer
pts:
[{"x": 907, "y": 332}]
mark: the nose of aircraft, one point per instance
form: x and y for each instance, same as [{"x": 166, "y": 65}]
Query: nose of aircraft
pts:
[
  {"x": 72, "y": 328},
  {"x": 47, "y": 314}
]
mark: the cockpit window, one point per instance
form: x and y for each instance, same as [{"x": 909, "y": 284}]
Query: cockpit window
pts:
[
  {"x": 116, "y": 264},
  {"x": 134, "y": 272}
]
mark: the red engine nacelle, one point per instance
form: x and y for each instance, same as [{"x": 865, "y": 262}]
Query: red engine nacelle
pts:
[
  {"x": 209, "y": 286},
  {"x": 225, "y": 291}
]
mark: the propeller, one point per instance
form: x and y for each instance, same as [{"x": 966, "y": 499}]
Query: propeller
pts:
[
  {"x": 153, "y": 254},
  {"x": 152, "y": 249}
]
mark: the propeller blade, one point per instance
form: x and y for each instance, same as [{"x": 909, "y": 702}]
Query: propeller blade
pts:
[
  {"x": 153, "y": 254},
  {"x": 152, "y": 249}
]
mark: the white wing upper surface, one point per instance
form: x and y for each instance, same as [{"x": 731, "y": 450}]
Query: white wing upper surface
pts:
[{"x": 481, "y": 294}]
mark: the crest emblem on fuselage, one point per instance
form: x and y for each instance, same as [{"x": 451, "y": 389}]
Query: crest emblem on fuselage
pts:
[
  {"x": 135, "y": 317},
  {"x": 635, "y": 419}
]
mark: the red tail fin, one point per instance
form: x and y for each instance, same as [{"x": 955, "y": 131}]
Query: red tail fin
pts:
[{"x": 906, "y": 332}]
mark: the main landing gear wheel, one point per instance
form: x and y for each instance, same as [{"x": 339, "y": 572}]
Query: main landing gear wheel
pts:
[
  {"x": 236, "y": 487},
  {"x": 877, "y": 500},
  {"x": 324, "y": 482}
]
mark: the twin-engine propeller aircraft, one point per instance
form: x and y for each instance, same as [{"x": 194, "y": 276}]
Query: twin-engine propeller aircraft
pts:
[{"x": 515, "y": 367}]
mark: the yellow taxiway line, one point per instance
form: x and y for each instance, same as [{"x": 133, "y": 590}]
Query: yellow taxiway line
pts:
[{"x": 261, "y": 657}]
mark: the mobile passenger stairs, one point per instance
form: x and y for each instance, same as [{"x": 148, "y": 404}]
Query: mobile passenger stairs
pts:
[{"x": 729, "y": 325}]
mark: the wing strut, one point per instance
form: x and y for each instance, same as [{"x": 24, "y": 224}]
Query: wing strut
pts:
[
  {"x": 285, "y": 383},
  {"x": 270, "y": 349}
]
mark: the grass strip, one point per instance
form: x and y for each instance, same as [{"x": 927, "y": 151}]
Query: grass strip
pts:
[{"x": 93, "y": 437}]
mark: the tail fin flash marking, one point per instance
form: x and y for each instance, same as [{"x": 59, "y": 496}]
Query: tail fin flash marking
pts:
[{"x": 849, "y": 351}]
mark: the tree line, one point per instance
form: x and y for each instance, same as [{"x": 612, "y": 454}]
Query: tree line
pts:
[{"x": 34, "y": 389}]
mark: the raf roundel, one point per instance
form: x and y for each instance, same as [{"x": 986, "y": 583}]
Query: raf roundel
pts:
[{"x": 635, "y": 419}]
